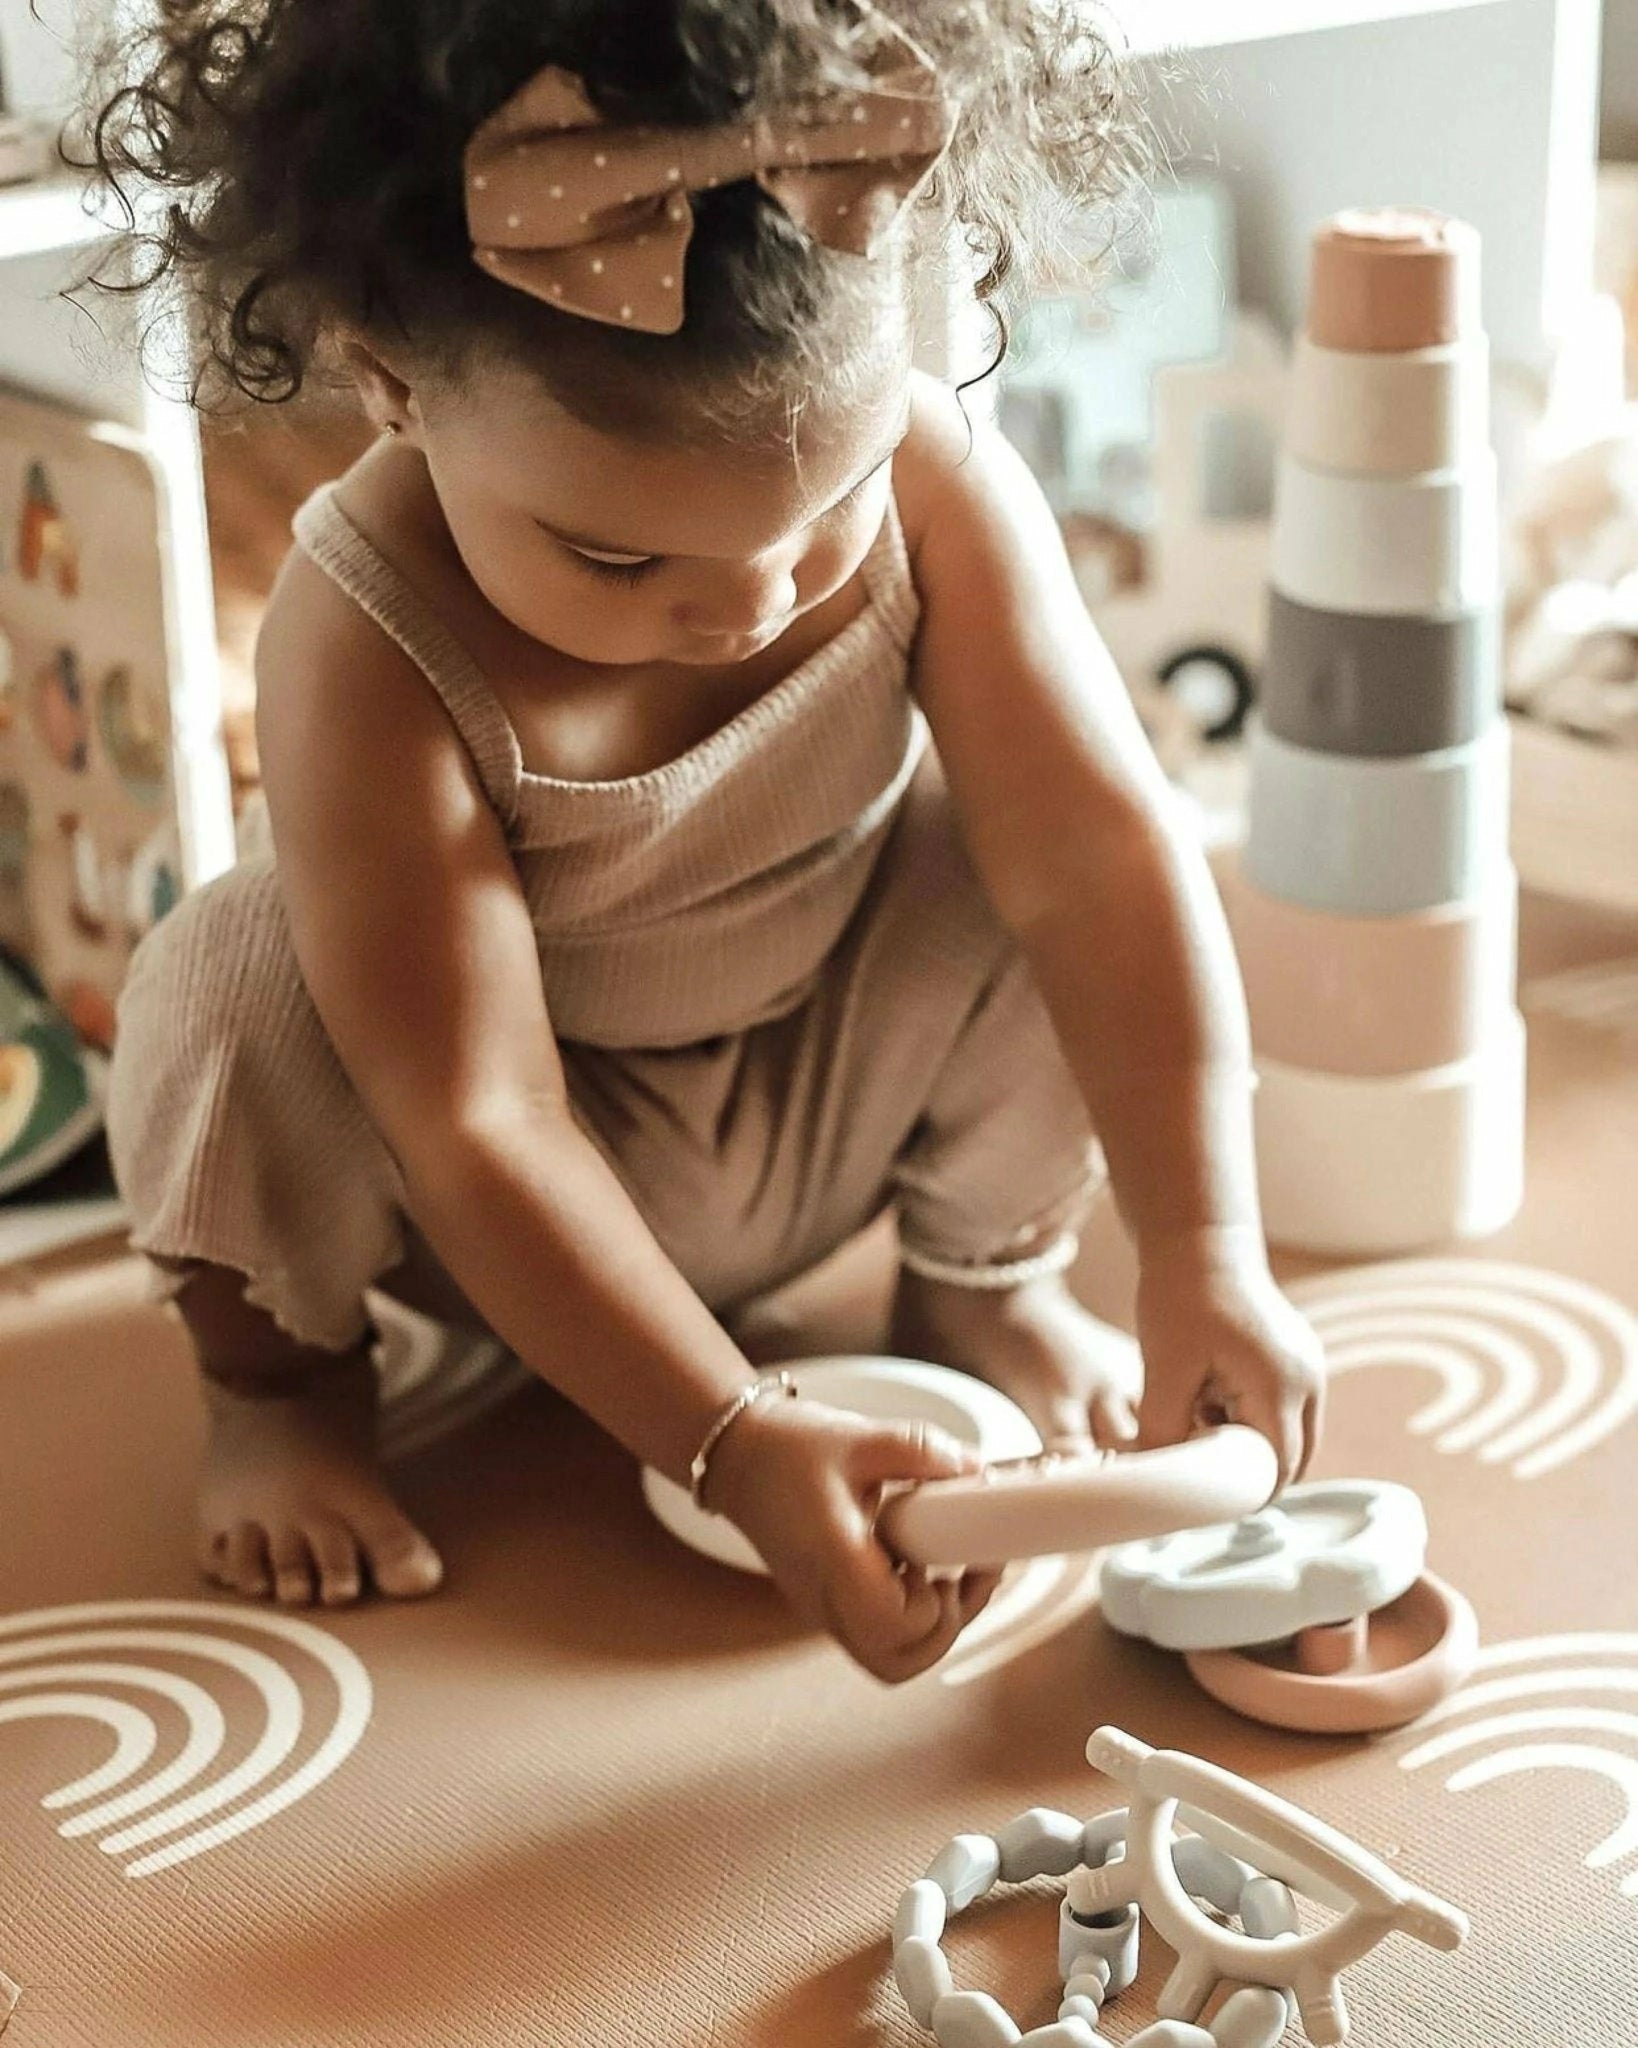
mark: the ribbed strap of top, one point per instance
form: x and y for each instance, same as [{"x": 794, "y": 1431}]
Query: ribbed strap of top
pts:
[{"x": 382, "y": 592}]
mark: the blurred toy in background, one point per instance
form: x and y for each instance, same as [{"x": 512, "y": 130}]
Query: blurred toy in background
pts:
[
  {"x": 1150, "y": 411},
  {"x": 50, "y": 1088},
  {"x": 94, "y": 793}
]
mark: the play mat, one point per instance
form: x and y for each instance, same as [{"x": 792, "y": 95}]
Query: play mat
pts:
[{"x": 600, "y": 1793}]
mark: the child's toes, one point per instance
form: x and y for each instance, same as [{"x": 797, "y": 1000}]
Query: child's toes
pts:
[
  {"x": 236, "y": 1557},
  {"x": 402, "y": 1562},
  {"x": 334, "y": 1551},
  {"x": 292, "y": 1567}
]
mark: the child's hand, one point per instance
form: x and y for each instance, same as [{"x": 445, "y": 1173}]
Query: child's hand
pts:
[
  {"x": 803, "y": 1481},
  {"x": 1222, "y": 1343}
]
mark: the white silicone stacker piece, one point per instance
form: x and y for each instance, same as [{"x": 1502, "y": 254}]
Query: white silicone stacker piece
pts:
[
  {"x": 1039, "y": 1843},
  {"x": 972, "y": 2019},
  {"x": 1254, "y": 2017},
  {"x": 1377, "y": 1901},
  {"x": 1390, "y": 413},
  {"x": 1415, "y": 546},
  {"x": 1082, "y": 1948},
  {"x": 1369, "y": 1167},
  {"x": 965, "y": 1868},
  {"x": 922, "y": 1975},
  {"x": 1039, "y": 1507},
  {"x": 1063, "y": 2033},
  {"x": 1172, "y": 2034},
  {"x": 1326, "y": 1552},
  {"x": 922, "y": 1911}
]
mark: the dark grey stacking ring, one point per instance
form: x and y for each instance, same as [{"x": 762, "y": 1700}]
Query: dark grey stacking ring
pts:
[{"x": 1377, "y": 684}]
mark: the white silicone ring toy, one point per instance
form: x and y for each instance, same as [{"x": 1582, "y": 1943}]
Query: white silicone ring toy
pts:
[{"x": 1096, "y": 1963}]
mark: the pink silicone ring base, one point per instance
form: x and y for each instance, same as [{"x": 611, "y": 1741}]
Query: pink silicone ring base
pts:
[{"x": 1419, "y": 1649}]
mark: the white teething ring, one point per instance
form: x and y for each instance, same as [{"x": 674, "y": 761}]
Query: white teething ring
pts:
[
  {"x": 1042, "y": 1506},
  {"x": 1096, "y": 1963},
  {"x": 1373, "y": 1901}
]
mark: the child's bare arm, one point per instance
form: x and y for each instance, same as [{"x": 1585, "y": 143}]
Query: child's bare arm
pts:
[
  {"x": 416, "y": 946},
  {"x": 415, "y": 943},
  {"x": 1069, "y": 822}
]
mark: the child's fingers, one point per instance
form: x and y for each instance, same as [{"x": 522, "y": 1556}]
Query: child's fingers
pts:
[
  {"x": 1114, "y": 1419},
  {"x": 977, "y": 1590},
  {"x": 911, "y": 1451},
  {"x": 894, "y": 1619}
]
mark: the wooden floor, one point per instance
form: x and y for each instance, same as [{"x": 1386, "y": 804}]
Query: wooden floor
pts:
[{"x": 600, "y": 1793}]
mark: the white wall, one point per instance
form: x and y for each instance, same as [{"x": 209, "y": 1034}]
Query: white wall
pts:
[{"x": 1486, "y": 113}]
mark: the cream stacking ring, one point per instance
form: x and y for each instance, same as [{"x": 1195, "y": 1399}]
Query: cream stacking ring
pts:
[
  {"x": 1423, "y": 545},
  {"x": 1374, "y": 995},
  {"x": 1376, "y": 838},
  {"x": 1364, "y": 683},
  {"x": 1368, "y": 1166},
  {"x": 1391, "y": 415}
]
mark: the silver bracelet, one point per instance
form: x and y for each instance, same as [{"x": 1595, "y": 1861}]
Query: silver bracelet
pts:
[{"x": 747, "y": 1397}]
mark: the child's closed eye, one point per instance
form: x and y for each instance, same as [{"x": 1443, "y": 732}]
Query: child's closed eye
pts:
[{"x": 614, "y": 568}]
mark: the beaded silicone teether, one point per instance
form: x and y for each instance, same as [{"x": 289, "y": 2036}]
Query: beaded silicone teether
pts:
[{"x": 1096, "y": 1961}]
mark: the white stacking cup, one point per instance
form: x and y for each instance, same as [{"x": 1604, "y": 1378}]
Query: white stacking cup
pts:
[
  {"x": 1368, "y": 837},
  {"x": 1426, "y": 546},
  {"x": 1367, "y": 413},
  {"x": 1366, "y": 1167}
]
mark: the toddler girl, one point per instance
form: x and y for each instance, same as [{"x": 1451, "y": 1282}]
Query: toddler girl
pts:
[{"x": 704, "y": 814}]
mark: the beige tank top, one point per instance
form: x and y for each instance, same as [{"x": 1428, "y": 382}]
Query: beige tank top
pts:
[{"x": 701, "y": 898}]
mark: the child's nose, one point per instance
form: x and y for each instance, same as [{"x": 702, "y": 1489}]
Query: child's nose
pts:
[{"x": 747, "y": 600}]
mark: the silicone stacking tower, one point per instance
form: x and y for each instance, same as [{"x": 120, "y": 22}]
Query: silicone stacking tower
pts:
[{"x": 1374, "y": 907}]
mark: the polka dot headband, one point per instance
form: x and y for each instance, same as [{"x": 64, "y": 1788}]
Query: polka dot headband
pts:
[{"x": 594, "y": 217}]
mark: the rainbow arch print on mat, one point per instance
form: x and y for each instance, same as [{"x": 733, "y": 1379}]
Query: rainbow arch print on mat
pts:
[
  {"x": 1535, "y": 1368},
  {"x": 1044, "y": 1597},
  {"x": 1546, "y": 1703},
  {"x": 85, "y": 1662}
]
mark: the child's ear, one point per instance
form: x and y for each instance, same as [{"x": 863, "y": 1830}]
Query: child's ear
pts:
[{"x": 386, "y": 398}]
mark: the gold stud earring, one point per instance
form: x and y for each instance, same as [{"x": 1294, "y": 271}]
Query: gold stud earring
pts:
[{"x": 393, "y": 428}]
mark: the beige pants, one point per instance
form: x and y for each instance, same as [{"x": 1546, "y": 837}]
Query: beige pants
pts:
[{"x": 921, "y": 1072}]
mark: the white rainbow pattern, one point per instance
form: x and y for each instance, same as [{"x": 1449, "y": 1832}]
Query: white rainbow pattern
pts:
[
  {"x": 436, "y": 1381},
  {"x": 1035, "y": 1603},
  {"x": 81, "y": 1662},
  {"x": 1492, "y": 1714},
  {"x": 1603, "y": 995},
  {"x": 1535, "y": 1368}
]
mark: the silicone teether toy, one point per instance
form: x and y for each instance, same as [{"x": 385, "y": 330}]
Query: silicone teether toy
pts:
[
  {"x": 1375, "y": 1900},
  {"x": 1034, "y": 1507},
  {"x": 1242, "y": 1842},
  {"x": 1314, "y": 1614}
]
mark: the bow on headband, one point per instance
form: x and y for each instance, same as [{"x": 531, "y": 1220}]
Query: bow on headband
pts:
[{"x": 594, "y": 217}]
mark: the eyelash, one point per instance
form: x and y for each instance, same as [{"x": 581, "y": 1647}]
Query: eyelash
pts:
[{"x": 616, "y": 572}]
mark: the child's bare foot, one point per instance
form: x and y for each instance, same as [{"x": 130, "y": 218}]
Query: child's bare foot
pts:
[
  {"x": 292, "y": 1504},
  {"x": 1073, "y": 1375}
]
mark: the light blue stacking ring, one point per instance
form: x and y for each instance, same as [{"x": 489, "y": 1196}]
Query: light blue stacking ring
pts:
[
  {"x": 1376, "y": 838},
  {"x": 1358, "y": 683}
]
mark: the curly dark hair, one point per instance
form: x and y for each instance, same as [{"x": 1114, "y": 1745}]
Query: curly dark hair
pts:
[{"x": 306, "y": 159}]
